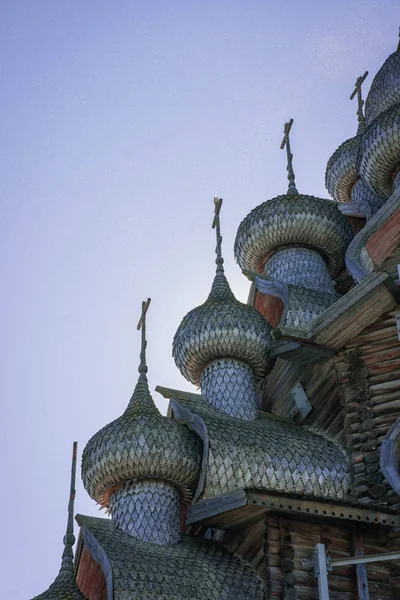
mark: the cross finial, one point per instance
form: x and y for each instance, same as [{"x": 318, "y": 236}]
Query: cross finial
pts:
[
  {"x": 216, "y": 225},
  {"x": 142, "y": 325},
  {"x": 357, "y": 90},
  {"x": 69, "y": 538},
  {"x": 286, "y": 142},
  {"x": 398, "y": 45}
]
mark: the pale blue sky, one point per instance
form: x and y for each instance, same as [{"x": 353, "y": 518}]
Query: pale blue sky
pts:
[{"x": 120, "y": 121}]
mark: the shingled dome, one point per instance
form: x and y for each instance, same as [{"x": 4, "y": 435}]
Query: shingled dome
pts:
[
  {"x": 380, "y": 159},
  {"x": 293, "y": 220},
  {"x": 341, "y": 170},
  {"x": 140, "y": 444},
  {"x": 385, "y": 88},
  {"x": 222, "y": 327}
]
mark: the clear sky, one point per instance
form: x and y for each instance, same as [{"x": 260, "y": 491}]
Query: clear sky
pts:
[{"x": 119, "y": 122}]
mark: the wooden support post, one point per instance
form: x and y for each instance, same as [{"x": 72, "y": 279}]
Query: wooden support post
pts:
[{"x": 361, "y": 569}]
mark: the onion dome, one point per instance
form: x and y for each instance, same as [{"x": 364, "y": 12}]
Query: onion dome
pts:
[
  {"x": 342, "y": 168},
  {"x": 293, "y": 220},
  {"x": 385, "y": 88},
  {"x": 64, "y": 586},
  {"x": 341, "y": 171},
  {"x": 380, "y": 149},
  {"x": 222, "y": 327},
  {"x": 140, "y": 444}
]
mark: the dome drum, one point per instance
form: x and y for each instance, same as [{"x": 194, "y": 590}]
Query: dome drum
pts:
[
  {"x": 148, "y": 510},
  {"x": 230, "y": 386},
  {"x": 300, "y": 267}
]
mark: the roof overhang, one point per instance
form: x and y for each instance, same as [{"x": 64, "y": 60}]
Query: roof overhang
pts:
[{"x": 245, "y": 505}]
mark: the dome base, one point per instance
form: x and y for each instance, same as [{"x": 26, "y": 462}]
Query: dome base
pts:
[
  {"x": 149, "y": 510},
  {"x": 230, "y": 386}
]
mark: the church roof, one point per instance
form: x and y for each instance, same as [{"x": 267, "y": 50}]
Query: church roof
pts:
[
  {"x": 64, "y": 586},
  {"x": 195, "y": 569},
  {"x": 268, "y": 454}
]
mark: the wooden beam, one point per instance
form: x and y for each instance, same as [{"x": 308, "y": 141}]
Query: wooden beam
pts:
[{"x": 361, "y": 569}]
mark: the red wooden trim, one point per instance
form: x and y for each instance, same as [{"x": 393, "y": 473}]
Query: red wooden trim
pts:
[
  {"x": 271, "y": 307},
  {"x": 90, "y": 577},
  {"x": 383, "y": 242}
]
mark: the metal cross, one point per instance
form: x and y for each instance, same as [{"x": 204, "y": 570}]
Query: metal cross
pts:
[
  {"x": 216, "y": 225},
  {"x": 357, "y": 90},
  {"x": 398, "y": 45},
  {"x": 286, "y": 142},
  {"x": 142, "y": 325}
]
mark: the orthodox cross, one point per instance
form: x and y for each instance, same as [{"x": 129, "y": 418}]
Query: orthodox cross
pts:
[
  {"x": 142, "y": 325},
  {"x": 69, "y": 538},
  {"x": 286, "y": 142},
  {"x": 357, "y": 90},
  {"x": 216, "y": 225}
]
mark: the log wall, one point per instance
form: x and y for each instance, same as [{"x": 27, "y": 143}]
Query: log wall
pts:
[
  {"x": 355, "y": 396},
  {"x": 277, "y": 543},
  {"x": 369, "y": 383}
]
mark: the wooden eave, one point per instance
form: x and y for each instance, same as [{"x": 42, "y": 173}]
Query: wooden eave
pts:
[
  {"x": 341, "y": 322},
  {"x": 245, "y": 505}
]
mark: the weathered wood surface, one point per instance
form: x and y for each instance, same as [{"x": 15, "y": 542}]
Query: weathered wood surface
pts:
[
  {"x": 390, "y": 264},
  {"x": 90, "y": 577},
  {"x": 355, "y": 396},
  {"x": 271, "y": 307},
  {"x": 385, "y": 240},
  {"x": 369, "y": 377},
  {"x": 276, "y": 388},
  {"x": 276, "y": 544},
  {"x": 361, "y": 569}
]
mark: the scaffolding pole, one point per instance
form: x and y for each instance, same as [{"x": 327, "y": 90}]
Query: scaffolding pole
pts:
[{"x": 322, "y": 565}]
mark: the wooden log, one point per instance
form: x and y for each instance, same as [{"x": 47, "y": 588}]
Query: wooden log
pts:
[
  {"x": 385, "y": 419},
  {"x": 367, "y": 424},
  {"x": 289, "y": 579},
  {"x": 375, "y": 336},
  {"x": 373, "y": 349},
  {"x": 377, "y": 490},
  {"x": 384, "y": 356},
  {"x": 385, "y": 397},
  {"x": 385, "y": 377},
  {"x": 388, "y": 407},
  {"x": 385, "y": 387}
]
